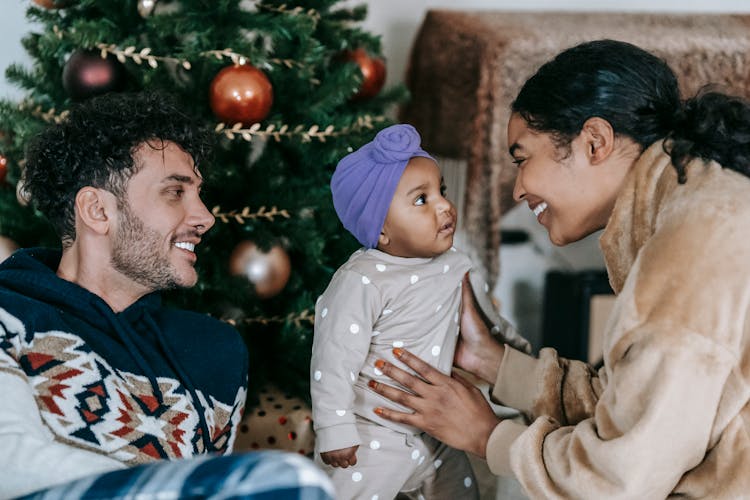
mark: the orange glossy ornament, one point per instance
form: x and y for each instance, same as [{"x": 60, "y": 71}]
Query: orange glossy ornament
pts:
[
  {"x": 373, "y": 72},
  {"x": 268, "y": 271},
  {"x": 53, "y": 4},
  {"x": 241, "y": 94}
]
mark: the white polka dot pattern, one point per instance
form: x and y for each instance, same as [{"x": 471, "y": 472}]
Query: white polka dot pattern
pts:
[
  {"x": 324, "y": 312},
  {"x": 415, "y": 454},
  {"x": 414, "y": 278},
  {"x": 357, "y": 477},
  {"x": 467, "y": 481},
  {"x": 374, "y": 444},
  {"x": 340, "y": 413},
  {"x": 437, "y": 463},
  {"x": 398, "y": 343},
  {"x": 446, "y": 268},
  {"x": 380, "y": 267},
  {"x": 354, "y": 328},
  {"x": 317, "y": 375},
  {"x": 436, "y": 350},
  {"x": 365, "y": 280}
]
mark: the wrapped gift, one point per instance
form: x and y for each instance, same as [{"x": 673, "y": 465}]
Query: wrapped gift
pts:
[{"x": 279, "y": 422}]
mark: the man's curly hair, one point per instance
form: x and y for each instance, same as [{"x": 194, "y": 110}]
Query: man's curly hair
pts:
[{"x": 94, "y": 146}]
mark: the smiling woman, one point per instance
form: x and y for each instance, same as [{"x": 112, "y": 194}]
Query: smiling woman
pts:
[
  {"x": 572, "y": 189},
  {"x": 602, "y": 140}
]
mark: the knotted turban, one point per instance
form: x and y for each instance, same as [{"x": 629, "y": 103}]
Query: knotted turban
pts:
[{"x": 364, "y": 181}]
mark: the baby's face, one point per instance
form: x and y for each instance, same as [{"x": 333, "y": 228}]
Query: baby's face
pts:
[{"x": 420, "y": 221}]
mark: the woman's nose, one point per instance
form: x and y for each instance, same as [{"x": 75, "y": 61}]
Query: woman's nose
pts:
[{"x": 518, "y": 190}]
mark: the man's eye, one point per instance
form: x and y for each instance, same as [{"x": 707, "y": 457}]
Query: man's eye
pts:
[
  {"x": 177, "y": 193},
  {"x": 421, "y": 200}
]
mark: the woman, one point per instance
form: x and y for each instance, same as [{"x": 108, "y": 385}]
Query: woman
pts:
[{"x": 602, "y": 140}]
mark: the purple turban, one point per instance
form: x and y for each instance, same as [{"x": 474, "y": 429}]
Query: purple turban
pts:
[{"x": 364, "y": 181}]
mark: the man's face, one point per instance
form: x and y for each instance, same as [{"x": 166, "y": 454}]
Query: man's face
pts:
[{"x": 162, "y": 220}]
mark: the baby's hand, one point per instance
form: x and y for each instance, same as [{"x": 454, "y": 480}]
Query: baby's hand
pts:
[{"x": 340, "y": 458}]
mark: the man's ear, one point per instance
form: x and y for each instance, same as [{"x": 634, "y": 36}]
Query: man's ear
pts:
[
  {"x": 599, "y": 139},
  {"x": 92, "y": 209}
]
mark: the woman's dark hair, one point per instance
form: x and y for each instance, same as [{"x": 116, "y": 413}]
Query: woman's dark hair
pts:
[
  {"x": 637, "y": 93},
  {"x": 94, "y": 146}
]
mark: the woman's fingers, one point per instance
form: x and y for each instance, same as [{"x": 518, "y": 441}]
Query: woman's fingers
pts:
[
  {"x": 397, "y": 416},
  {"x": 424, "y": 369}
]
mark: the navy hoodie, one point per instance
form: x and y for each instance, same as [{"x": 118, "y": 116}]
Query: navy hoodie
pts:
[{"x": 143, "y": 384}]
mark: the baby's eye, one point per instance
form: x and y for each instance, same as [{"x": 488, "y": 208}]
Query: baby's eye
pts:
[
  {"x": 443, "y": 189},
  {"x": 420, "y": 200}
]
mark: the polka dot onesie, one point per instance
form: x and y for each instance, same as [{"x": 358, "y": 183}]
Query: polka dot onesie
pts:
[{"x": 376, "y": 302}]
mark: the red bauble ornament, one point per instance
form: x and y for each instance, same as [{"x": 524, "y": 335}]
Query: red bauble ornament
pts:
[
  {"x": 53, "y": 4},
  {"x": 87, "y": 74},
  {"x": 241, "y": 94},
  {"x": 3, "y": 168},
  {"x": 268, "y": 271},
  {"x": 373, "y": 72}
]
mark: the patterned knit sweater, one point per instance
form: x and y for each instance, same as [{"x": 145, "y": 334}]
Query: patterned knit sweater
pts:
[{"x": 87, "y": 390}]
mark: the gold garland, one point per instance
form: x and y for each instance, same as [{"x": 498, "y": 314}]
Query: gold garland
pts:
[
  {"x": 296, "y": 318},
  {"x": 145, "y": 55},
  {"x": 307, "y": 134},
  {"x": 296, "y": 11},
  {"x": 48, "y": 116},
  {"x": 242, "y": 59},
  {"x": 139, "y": 56},
  {"x": 242, "y": 215}
]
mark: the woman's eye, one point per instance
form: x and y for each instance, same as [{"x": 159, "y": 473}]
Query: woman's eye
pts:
[
  {"x": 518, "y": 161},
  {"x": 420, "y": 200}
]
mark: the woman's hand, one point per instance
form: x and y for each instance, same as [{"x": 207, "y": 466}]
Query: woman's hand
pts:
[
  {"x": 476, "y": 352},
  {"x": 340, "y": 458},
  {"x": 450, "y": 409}
]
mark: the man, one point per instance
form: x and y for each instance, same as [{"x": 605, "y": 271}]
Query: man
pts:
[{"x": 96, "y": 376}]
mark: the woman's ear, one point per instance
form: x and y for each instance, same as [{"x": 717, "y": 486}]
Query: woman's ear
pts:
[
  {"x": 92, "y": 209},
  {"x": 599, "y": 138}
]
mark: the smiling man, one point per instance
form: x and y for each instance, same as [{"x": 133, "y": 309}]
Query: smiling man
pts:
[{"x": 96, "y": 376}]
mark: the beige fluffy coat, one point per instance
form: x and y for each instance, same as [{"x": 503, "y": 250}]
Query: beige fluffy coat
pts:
[{"x": 668, "y": 414}]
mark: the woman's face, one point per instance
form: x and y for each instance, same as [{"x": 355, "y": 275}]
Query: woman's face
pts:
[{"x": 571, "y": 193}]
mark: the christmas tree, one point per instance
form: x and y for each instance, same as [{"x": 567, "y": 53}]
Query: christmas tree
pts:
[{"x": 288, "y": 87}]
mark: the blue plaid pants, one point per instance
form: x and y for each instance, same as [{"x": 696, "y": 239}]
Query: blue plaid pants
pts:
[{"x": 262, "y": 475}]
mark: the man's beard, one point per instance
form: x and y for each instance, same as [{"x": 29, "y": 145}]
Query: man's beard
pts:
[{"x": 137, "y": 254}]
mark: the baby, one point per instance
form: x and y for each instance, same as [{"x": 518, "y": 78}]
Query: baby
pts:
[{"x": 402, "y": 290}]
